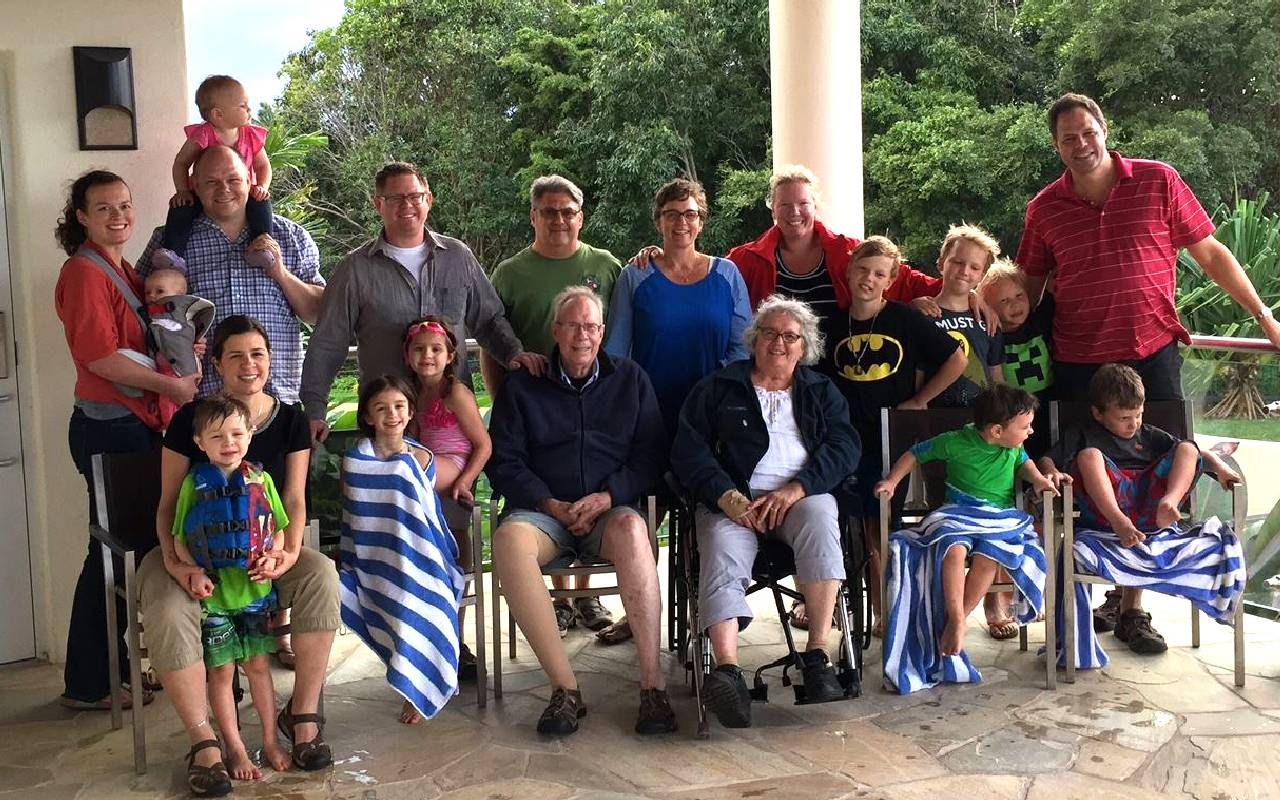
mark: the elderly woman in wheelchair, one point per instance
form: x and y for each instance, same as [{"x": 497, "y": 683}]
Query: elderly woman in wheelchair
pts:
[{"x": 760, "y": 447}]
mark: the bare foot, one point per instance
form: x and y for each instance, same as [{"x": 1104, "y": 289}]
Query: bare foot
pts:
[
  {"x": 239, "y": 765},
  {"x": 952, "y": 641},
  {"x": 409, "y": 715},
  {"x": 1167, "y": 512},
  {"x": 877, "y": 628},
  {"x": 276, "y": 756}
]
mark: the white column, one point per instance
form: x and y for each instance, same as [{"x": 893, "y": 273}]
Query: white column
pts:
[{"x": 816, "y": 83}]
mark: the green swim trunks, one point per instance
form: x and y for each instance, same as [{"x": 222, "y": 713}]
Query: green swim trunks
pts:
[{"x": 235, "y": 636}]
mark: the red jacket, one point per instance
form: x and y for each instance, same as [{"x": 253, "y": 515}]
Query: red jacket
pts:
[{"x": 755, "y": 261}]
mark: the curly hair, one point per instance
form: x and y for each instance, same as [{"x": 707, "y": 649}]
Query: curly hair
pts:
[{"x": 810, "y": 336}]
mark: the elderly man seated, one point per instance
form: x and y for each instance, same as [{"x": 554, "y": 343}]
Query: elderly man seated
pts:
[
  {"x": 574, "y": 451},
  {"x": 761, "y": 445}
]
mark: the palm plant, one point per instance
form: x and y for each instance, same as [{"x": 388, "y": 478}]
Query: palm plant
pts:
[
  {"x": 1253, "y": 236},
  {"x": 291, "y": 189}
]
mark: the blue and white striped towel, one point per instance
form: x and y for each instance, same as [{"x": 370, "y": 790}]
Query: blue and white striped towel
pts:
[
  {"x": 399, "y": 578},
  {"x": 1203, "y": 563},
  {"x": 917, "y": 610}
]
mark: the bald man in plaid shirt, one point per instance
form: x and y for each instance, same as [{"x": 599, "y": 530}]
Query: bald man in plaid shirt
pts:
[{"x": 279, "y": 296}]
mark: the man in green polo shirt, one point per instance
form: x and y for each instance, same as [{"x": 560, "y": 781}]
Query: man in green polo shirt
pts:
[{"x": 526, "y": 283}]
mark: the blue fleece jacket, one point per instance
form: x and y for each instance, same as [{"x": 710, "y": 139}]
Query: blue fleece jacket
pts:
[{"x": 552, "y": 441}]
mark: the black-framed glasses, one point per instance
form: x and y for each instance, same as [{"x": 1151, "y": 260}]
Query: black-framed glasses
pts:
[
  {"x": 770, "y": 334},
  {"x": 412, "y": 198},
  {"x": 672, "y": 215},
  {"x": 553, "y": 214}
]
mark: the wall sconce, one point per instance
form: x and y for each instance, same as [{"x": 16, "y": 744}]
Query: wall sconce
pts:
[{"x": 104, "y": 98}]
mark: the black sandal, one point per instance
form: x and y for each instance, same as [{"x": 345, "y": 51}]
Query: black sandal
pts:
[
  {"x": 211, "y": 781},
  {"x": 309, "y": 756}
]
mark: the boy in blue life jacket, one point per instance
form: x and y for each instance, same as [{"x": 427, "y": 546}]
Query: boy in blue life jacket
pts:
[{"x": 227, "y": 516}]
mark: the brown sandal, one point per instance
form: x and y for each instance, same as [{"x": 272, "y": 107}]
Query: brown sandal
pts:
[
  {"x": 308, "y": 756},
  {"x": 211, "y": 781}
]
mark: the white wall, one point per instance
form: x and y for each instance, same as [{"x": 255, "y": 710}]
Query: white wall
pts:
[{"x": 41, "y": 145}]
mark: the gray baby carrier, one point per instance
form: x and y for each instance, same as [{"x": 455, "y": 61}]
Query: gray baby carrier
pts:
[{"x": 171, "y": 332}]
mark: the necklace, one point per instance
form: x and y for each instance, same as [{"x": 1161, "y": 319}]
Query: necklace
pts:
[
  {"x": 258, "y": 417},
  {"x": 866, "y": 338}
]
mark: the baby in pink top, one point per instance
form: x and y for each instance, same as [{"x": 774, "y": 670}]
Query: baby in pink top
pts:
[{"x": 224, "y": 105}]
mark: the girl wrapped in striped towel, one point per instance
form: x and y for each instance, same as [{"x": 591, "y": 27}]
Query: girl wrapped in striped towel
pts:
[{"x": 399, "y": 574}]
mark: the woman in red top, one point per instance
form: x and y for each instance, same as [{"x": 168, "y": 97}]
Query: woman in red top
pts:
[
  {"x": 115, "y": 398},
  {"x": 800, "y": 257}
]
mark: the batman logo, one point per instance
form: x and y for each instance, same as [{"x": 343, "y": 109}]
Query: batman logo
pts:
[
  {"x": 868, "y": 357},
  {"x": 962, "y": 339}
]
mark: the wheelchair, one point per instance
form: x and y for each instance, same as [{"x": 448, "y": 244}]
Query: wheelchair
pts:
[{"x": 774, "y": 562}]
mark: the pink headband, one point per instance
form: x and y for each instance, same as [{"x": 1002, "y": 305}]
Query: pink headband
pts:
[{"x": 430, "y": 326}]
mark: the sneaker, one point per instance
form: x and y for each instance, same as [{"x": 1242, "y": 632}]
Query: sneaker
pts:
[
  {"x": 725, "y": 693},
  {"x": 592, "y": 613},
  {"x": 566, "y": 617},
  {"x": 1134, "y": 629},
  {"x": 1105, "y": 615},
  {"x": 560, "y": 718},
  {"x": 655, "y": 714},
  {"x": 820, "y": 682}
]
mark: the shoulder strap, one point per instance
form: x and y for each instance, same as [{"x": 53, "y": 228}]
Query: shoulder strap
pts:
[{"x": 126, "y": 291}]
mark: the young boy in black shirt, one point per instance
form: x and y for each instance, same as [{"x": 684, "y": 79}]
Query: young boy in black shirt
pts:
[
  {"x": 1131, "y": 479},
  {"x": 879, "y": 355}
]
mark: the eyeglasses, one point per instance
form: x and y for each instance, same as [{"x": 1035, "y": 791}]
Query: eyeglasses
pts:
[
  {"x": 412, "y": 198},
  {"x": 770, "y": 334},
  {"x": 589, "y": 328},
  {"x": 671, "y": 215},
  {"x": 552, "y": 214}
]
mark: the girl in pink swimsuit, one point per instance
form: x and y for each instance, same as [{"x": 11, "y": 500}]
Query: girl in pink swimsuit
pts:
[{"x": 447, "y": 421}]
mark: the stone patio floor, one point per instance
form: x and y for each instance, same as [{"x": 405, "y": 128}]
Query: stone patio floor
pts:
[{"x": 1172, "y": 726}]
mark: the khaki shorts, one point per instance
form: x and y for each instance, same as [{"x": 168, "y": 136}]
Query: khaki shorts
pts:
[{"x": 172, "y": 618}]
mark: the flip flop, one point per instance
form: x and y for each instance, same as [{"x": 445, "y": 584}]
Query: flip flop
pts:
[
  {"x": 1004, "y": 629},
  {"x": 616, "y": 633},
  {"x": 105, "y": 703}
]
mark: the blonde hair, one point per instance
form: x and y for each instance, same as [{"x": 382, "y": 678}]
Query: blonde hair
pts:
[
  {"x": 877, "y": 247},
  {"x": 792, "y": 173},
  {"x": 1003, "y": 270},
  {"x": 973, "y": 234}
]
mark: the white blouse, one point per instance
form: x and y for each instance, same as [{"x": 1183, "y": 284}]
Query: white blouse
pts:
[{"x": 786, "y": 455}]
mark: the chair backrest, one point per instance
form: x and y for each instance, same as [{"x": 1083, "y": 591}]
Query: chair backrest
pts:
[
  {"x": 126, "y": 491},
  {"x": 900, "y": 430},
  {"x": 1173, "y": 416}
]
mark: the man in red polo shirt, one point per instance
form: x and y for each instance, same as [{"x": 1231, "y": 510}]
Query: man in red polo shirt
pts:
[{"x": 1109, "y": 231}]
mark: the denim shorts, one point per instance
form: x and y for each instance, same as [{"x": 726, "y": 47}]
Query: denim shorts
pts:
[{"x": 569, "y": 547}]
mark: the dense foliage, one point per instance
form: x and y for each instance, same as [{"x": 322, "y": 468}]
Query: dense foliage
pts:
[{"x": 622, "y": 95}]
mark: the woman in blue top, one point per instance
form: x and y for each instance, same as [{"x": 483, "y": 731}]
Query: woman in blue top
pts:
[{"x": 682, "y": 315}]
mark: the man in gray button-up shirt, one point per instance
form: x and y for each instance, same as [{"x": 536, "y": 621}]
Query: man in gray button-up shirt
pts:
[{"x": 405, "y": 273}]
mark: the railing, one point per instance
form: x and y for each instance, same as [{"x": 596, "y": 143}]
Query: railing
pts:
[
  {"x": 1213, "y": 367},
  {"x": 1219, "y": 377}
]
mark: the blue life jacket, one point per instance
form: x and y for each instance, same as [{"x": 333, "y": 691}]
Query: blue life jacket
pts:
[{"x": 231, "y": 522}]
